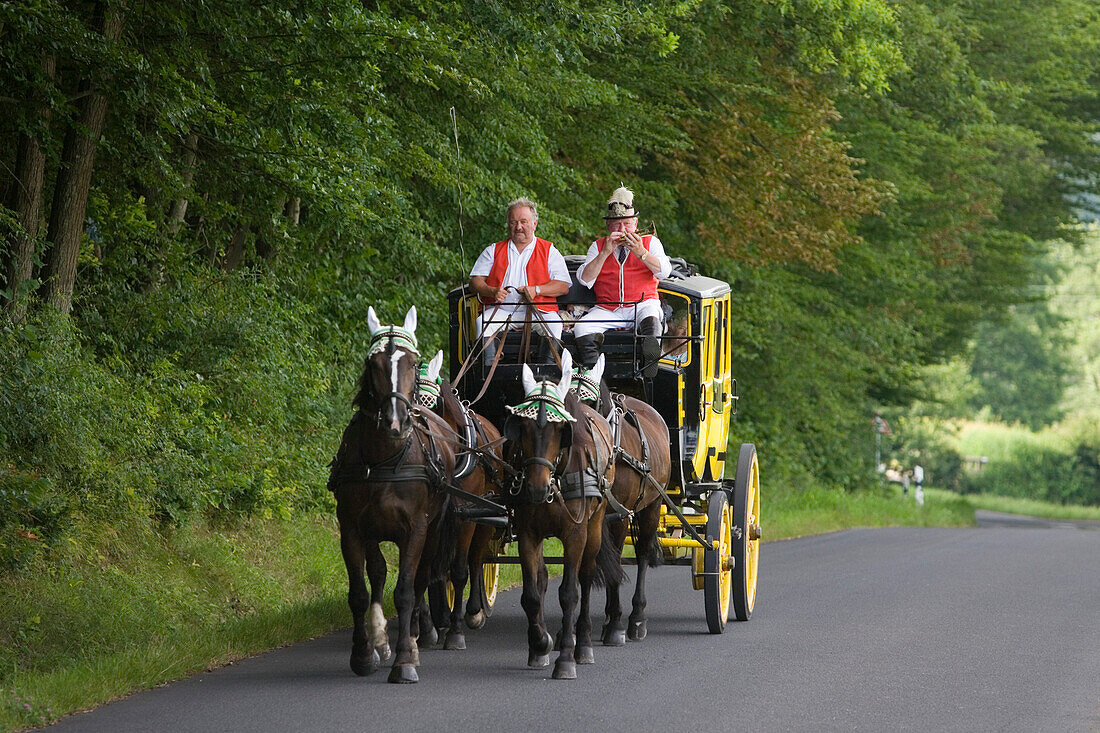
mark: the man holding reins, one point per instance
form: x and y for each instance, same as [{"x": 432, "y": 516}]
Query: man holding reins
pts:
[
  {"x": 623, "y": 269},
  {"x": 518, "y": 270}
]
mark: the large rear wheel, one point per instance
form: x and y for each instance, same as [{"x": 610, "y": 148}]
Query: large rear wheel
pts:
[
  {"x": 746, "y": 515},
  {"x": 717, "y": 574}
]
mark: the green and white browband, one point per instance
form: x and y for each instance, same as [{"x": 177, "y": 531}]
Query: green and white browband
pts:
[
  {"x": 587, "y": 388},
  {"x": 401, "y": 337},
  {"x": 545, "y": 394},
  {"x": 427, "y": 390}
]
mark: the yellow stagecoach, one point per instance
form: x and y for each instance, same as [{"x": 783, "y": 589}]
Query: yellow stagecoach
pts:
[{"x": 709, "y": 522}]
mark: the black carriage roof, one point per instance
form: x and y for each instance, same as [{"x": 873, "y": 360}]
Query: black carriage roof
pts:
[{"x": 685, "y": 278}]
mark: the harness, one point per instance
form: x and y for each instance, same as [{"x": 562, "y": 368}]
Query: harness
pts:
[{"x": 543, "y": 406}]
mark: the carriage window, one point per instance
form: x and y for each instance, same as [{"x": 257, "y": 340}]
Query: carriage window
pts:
[
  {"x": 676, "y": 343},
  {"x": 720, "y": 345}
]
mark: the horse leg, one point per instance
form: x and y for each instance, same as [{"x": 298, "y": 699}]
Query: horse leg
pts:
[
  {"x": 405, "y": 599},
  {"x": 460, "y": 573},
  {"x": 423, "y": 620},
  {"x": 364, "y": 658},
  {"x": 583, "y": 653},
  {"x": 613, "y": 634},
  {"x": 476, "y": 614},
  {"x": 646, "y": 545},
  {"x": 376, "y": 572},
  {"x": 538, "y": 639},
  {"x": 565, "y": 668}
]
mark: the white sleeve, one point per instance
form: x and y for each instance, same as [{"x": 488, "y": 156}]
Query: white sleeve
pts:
[
  {"x": 656, "y": 249},
  {"x": 593, "y": 250},
  {"x": 484, "y": 262},
  {"x": 556, "y": 264}
]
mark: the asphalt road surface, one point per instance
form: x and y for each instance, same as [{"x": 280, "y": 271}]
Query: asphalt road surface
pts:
[{"x": 988, "y": 629}]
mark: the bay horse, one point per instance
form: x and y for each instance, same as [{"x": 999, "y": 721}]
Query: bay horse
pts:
[
  {"x": 478, "y": 471},
  {"x": 643, "y": 463},
  {"x": 390, "y": 480},
  {"x": 562, "y": 452}
]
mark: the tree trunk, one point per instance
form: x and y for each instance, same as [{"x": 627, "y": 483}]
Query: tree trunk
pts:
[
  {"x": 26, "y": 202},
  {"x": 294, "y": 210},
  {"x": 70, "y": 198},
  {"x": 179, "y": 206},
  {"x": 234, "y": 253}
]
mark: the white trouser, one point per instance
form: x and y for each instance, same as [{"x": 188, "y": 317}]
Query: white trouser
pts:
[
  {"x": 599, "y": 319},
  {"x": 493, "y": 318}
]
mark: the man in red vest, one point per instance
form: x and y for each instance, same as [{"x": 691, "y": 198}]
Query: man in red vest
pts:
[
  {"x": 623, "y": 269},
  {"x": 522, "y": 265}
]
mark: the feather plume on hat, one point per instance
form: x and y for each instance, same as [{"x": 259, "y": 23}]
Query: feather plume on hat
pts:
[{"x": 621, "y": 204}]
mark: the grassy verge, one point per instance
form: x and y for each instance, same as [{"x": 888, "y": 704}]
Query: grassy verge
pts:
[{"x": 125, "y": 608}]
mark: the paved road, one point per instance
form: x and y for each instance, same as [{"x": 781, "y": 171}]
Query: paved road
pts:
[{"x": 988, "y": 629}]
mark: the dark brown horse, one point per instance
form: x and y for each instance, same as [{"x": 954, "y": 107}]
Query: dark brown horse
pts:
[
  {"x": 389, "y": 478},
  {"x": 562, "y": 452},
  {"x": 642, "y": 462},
  {"x": 478, "y": 472}
]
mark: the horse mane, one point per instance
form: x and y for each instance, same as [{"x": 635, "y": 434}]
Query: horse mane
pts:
[{"x": 450, "y": 406}]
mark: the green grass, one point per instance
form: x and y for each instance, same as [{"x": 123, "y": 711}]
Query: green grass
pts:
[
  {"x": 787, "y": 512},
  {"x": 1033, "y": 508},
  {"x": 126, "y": 608}
]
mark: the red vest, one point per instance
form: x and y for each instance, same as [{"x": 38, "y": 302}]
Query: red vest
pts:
[
  {"x": 538, "y": 271},
  {"x": 638, "y": 281}
]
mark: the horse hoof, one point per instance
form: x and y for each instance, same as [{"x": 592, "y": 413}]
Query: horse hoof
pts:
[
  {"x": 565, "y": 669},
  {"x": 429, "y": 637},
  {"x": 476, "y": 621},
  {"x": 584, "y": 655},
  {"x": 546, "y": 642},
  {"x": 538, "y": 661},
  {"x": 362, "y": 665},
  {"x": 383, "y": 651},
  {"x": 456, "y": 641},
  {"x": 614, "y": 637},
  {"x": 403, "y": 674},
  {"x": 637, "y": 630}
]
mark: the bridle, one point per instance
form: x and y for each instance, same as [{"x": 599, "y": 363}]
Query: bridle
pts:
[{"x": 389, "y": 340}]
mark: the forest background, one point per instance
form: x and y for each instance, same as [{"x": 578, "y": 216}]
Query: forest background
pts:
[{"x": 200, "y": 200}]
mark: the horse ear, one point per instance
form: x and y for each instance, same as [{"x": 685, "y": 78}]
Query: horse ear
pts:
[
  {"x": 597, "y": 371},
  {"x": 410, "y": 320},
  {"x": 566, "y": 373},
  {"x": 372, "y": 321},
  {"x": 435, "y": 365},
  {"x": 529, "y": 383}
]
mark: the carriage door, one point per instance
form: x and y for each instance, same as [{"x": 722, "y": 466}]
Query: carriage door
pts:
[
  {"x": 701, "y": 458},
  {"x": 721, "y": 403}
]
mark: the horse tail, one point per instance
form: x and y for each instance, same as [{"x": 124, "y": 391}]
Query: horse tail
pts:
[
  {"x": 609, "y": 561},
  {"x": 447, "y": 539}
]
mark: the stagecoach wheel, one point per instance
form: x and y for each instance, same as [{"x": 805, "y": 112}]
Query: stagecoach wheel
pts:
[
  {"x": 490, "y": 576},
  {"x": 716, "y": 562},
  {"x": 746, "y": 548},
  {"x": 450, "y": 596}
]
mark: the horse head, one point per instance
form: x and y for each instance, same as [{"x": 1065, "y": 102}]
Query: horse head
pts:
[
  {"x": 540, "y": 429},
  {"x": 428, "y": 382},
  {"x": 589, "y": 386},
  {"x": 388, "y": 382}
]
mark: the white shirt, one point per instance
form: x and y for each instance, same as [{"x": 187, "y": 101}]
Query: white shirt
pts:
[
  {"x": 516, "y": 274},
  {"x": 918, "y": 473},
  {"x": 656, "y": 250}
]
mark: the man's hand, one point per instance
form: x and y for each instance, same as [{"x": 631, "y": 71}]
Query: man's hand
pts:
[
  {"x": 613, "y": 240},
  {"x": 499, "y": 294},
  {"x": 634, "y": 243}
]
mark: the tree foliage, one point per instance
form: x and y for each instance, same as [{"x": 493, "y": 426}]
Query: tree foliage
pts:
[{"x": 873, "y": 177}]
